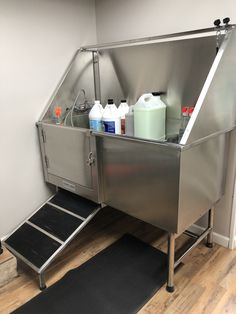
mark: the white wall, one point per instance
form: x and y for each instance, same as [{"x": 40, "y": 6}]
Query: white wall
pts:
[
  {"x": 126, "y": 19},
  {"x": 37, "y": 41}
]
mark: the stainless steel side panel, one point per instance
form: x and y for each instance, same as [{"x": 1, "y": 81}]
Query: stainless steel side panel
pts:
[
  {"x": 215, "y": 110},
  {"x": 170, "y": 67},
  {"x": 202, "y": 175},
  {"x": 177, "y": 67},
  {"x": 141, "y": 179},
  {"x": 79, "y": 75}
]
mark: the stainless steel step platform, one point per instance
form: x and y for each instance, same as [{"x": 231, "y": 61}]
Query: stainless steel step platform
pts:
[{"x": 43, "y": 236}]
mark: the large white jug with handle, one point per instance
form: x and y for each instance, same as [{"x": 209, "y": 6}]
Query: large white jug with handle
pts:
[{"x": 150, "y": 117}]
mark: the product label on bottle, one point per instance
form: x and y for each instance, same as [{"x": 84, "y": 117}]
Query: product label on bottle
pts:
[
  {"x": 109, "y": 126},
  {"x": 95, "y": 125},
  {"x": 122, "y": 126}
]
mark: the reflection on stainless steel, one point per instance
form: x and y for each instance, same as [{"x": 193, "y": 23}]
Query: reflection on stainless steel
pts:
[
  {"x": 215, "y": 110},
  {"x": 142, "y": 180},
  {"x": 79, "y": 121},
  {"x": 78, "y": 76},
  {"x": 166, "y": 186},
  {"x": 201, "y": 178},
  {"x": 171, "y": 67}
]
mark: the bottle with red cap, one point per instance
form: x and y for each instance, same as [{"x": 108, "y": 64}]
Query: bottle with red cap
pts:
[
  {"x": 184, "y": 121},
  {"x": 190, "y": 111},
  {"x": 58, "y": 114}
]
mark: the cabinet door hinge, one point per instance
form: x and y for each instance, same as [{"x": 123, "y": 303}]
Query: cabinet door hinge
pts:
[
  {"x": 43, "y": 136},
  {"x": 46, "y": 161}
]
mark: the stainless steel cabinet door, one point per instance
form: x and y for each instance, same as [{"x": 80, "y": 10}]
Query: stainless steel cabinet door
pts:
[{"x": 66, "y": 152}]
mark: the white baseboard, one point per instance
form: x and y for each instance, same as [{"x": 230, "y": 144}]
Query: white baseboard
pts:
[
  {"x": 234, "y": 243},
  {"x": 217, "y": 238}
]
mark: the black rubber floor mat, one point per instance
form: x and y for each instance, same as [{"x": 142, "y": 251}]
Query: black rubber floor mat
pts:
[{"x": 118, "y": 280}]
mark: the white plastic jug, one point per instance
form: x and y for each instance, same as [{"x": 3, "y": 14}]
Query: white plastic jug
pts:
[
  {"x": 95, "y": 116},
  {"x": 123, "y": 110},
  {"x": 111, "y": 118},
  {"x": 150, "y": 117}
]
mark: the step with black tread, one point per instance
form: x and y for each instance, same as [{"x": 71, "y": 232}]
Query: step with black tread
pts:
[
  {"x": 74, "y": 203},
  {"x": 32, "y": 244},
  {"x": 56, "y": 222}
]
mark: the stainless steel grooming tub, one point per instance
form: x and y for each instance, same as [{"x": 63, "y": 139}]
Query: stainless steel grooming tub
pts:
[{"x": 169, "y": 185}]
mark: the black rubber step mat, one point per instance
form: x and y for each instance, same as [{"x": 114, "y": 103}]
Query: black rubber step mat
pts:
[
  {"x": 32, "y": 244},
  {"x": 55, "y": 221},
  {"x": 118, "y": 280},
  {"x": 74, "y": 203}
]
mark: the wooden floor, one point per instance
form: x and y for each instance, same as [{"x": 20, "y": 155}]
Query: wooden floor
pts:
[{"x": 205, "y": 283}]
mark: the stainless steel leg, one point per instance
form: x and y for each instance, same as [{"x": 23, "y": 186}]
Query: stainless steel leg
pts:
[
  {"x": 210, "y": 225},
  {"x": 171, "y": 262},
  {"x": 42, "y": 284}
]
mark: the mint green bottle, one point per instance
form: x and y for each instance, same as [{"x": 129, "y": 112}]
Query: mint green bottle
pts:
[{"x": 150, "y": 117}]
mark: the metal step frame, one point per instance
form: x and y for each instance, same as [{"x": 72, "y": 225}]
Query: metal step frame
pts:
[{"x": 40, "y": 270}]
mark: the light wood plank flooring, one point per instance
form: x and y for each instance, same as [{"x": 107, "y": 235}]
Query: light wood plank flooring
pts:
[{"x": 206, "y": 283}]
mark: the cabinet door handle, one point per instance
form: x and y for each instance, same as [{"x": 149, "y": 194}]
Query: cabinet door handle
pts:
[{"x": 91, "y": 159}]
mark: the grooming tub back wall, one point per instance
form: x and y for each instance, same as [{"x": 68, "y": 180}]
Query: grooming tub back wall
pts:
[{"x": 165, "y": 184}]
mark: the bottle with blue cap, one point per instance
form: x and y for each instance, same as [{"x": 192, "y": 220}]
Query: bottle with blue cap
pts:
[{"x": 95, "y": 117}]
